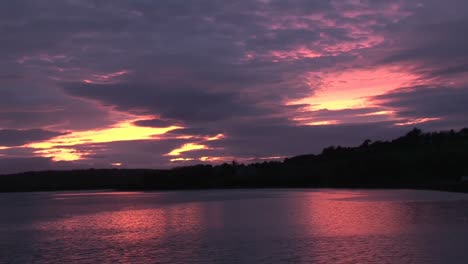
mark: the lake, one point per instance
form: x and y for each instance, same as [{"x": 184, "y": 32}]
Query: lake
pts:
[{"x": 235, "y": 226}]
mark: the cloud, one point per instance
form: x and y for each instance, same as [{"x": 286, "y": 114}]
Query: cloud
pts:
[
  {"x": 11, "y": 137},
  {"x": 447, "y": 103},
  {"x": 131, "y": 154},
  {"x": 429, "y": 42},
  {"x": 155, "y": 123},
  {"x": 231, "y": 68},
  {"x": 179, "y": 103},
  {"x": 199, "y": 131}
]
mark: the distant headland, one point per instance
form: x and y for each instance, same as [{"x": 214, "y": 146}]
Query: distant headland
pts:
[{"x": 433, "y": 160}]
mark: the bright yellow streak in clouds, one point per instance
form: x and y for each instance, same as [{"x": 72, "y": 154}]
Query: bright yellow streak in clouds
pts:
[
  {"x": 323, "y": 123},
  {"x": 418, "y": 121},
  {"x": 227, "y": 159},
  {"x": 117, "y": 164},
  {"x": 123, "y": 131},
  {"x": 337, "y": 104},
  {"x": 185, "y": 148},
  {"x": 180, "y": 159},
  {"x": 192, "y": 146},
  {"x": 379, "y": 113},
  {"x": 61, "y": 154},
  {"x": 218, "y": 136},
  {"x": 238, "y": 159},
  {"x": 211, "y": 158}
]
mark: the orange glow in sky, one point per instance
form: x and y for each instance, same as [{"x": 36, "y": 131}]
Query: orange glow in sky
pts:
[
  {"x": 123, "y": 131},
  {"x": 323, "y": 123},
  {"x": 205, "y": 158},
  {"x": 385, "y": 112},
  {"x": 61, "y": 154},
  {"x": 185, "y": 148},
  {"x": 181, "y": 159},
  {"x": 193, "y": 146},
  {"x": 218, "y": 136},
  {"x": 418, "y": 121},
  {"x": 227, "y": 159}
]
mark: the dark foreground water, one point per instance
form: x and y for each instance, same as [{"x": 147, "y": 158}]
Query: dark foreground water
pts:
[{"x": 235, "y": 226}]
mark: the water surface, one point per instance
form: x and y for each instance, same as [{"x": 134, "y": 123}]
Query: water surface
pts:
[{"x": 235, "y": 226}]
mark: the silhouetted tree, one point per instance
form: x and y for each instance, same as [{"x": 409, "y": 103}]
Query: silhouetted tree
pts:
[{"x": 417, "y": 160}]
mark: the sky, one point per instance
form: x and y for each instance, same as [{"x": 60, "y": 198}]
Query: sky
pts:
[{"x": 159, "y": 84}]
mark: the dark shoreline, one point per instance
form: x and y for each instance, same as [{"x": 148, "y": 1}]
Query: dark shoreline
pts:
[
  {"x": 454, "y": 189},
  {"x": 417, "y": 160}
]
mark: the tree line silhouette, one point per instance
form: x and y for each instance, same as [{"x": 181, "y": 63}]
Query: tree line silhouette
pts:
[{"x": 437, "y": 160}]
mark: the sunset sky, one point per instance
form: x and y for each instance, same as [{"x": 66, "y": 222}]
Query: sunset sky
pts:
[{"x": 157, "y": 84}]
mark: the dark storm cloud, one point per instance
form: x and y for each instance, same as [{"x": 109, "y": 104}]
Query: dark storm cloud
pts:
[
  {"x": 448, "y": 103},
  {"x": 200, "y": 44},
  {"x": 200, "y": 131},
  {"x": 434, "y": 43},
  {"x": 155, "y": 123},
  {"x": 184, "y": 103},
  {"x": 221, "y": 67},
  {"x": 431, "y": 41},
  {"x": 352, "y": 115},
  {"x": 11, "y": 137},
  {"x": 67, "y": 114},
  {"x": 283, "y": 39}
]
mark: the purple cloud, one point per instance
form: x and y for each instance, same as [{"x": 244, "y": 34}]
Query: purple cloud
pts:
[{"x": 235, "y": 69}]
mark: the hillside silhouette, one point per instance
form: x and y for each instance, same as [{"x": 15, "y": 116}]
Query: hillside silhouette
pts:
[{"x": 436, "y": 160}]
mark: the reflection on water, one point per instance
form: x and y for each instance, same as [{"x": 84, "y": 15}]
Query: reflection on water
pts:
[
  {"x": 236, "y": 226},
  {"x": 327, "y": 217},
  {"x": 67, "y": 194}
]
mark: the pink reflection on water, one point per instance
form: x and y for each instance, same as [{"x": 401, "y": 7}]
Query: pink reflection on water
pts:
[
  {"x": 334, "y": 214},
  {"x": 261, "y": 226},
  {"x": 79, "y": 195},
  {"x": 131, "y": 225},
  {"x": 95, "y": 193}
]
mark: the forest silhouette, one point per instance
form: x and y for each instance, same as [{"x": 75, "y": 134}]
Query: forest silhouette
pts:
[{"x": 436, "y": 160}]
